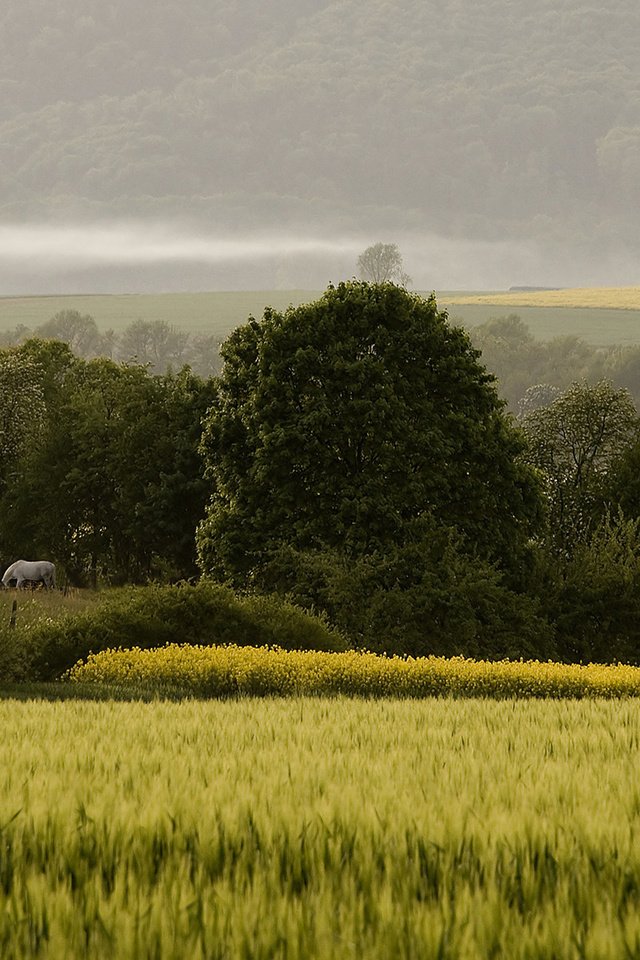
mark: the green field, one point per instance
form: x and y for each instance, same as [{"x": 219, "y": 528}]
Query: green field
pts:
[
  {"x": 216, "y": 313},
  {"x": 314, "y": 828},
  {"x": 222, "y": 311},
  {"x": 598, "y": 326}
]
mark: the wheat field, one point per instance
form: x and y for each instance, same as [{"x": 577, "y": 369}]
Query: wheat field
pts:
[{"x": 320, "y": 828}]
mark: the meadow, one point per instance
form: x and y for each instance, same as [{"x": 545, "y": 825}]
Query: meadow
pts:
[
  {"x": 320, "y": 828},
  {"x": 198, "y": 313}
]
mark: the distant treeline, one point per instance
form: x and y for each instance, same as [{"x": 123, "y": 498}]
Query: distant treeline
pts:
[
  {"x": 153, "y": 344},
  {"x": 533, "y": 372},
  {"x": 530, "y": 372},
  {"x": 242, "y": 114}
]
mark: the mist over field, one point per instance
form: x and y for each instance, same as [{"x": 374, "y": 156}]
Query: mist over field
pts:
[
  {"x": 134, "y": 256},
  {"x": 45, "y": 258},
  {"x": 205, "y": 145}
]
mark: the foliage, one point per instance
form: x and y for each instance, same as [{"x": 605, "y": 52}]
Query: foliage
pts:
[
  {"x": 79, "y": 331},
  {"x": 154, "y": 344},
  {"x": 520, "y": 361},
  {"x": 536, "y": 396},
  {"x": 425, "y": 596},
  {"x": 341, "y": 423},
  {"x": 21, "y": 412},
  {"x": 113, "y": 488},
  {"x": 594, "y": 596},
  {"x": 577, "y": 442},
  {"x": 154, "y": 615}
]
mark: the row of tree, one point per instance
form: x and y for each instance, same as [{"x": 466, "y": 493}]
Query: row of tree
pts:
[
  {"x": 100, "y": 465},
  {"x": 533, "y": 372},
  {"x": 154, "y": 344},
  {"x": 354, "y": 455}
]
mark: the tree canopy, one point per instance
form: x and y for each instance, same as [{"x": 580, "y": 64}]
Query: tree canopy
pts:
[
  {"x": 578, "y": 442},
  {"x": 343, "y": 423},
  {"x": 106, "y": 479}
]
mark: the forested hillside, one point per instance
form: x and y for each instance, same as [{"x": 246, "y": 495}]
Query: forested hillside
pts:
[{"x": 476, "y": 120}]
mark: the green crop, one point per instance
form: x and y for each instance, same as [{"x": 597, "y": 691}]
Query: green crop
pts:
[{"x": 312, "y": 828}]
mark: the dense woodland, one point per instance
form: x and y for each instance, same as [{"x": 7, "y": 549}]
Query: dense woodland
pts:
[
  {"x": 483, "y": 120},
  {"x": 353, "y": 456}
]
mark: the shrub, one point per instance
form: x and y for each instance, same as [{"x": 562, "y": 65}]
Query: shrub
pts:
[
  {"x": 153, "y": 616},
  {"x": 594, "y": 595}
]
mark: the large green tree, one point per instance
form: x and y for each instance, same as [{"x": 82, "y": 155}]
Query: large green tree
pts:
[{"x": 340, "y": 423}]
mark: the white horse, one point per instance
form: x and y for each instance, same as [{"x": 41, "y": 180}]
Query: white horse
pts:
[{"x": 36, "y": 570}]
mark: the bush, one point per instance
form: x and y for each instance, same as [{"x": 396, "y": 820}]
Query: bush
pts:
[
  {"x": 594, "y": 596},
  {"x": 424, "y": 598},
  {"x": 15, "y": 654},
  {"x": 153, "y": 616}
]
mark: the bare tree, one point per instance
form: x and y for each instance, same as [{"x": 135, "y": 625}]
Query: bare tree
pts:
[{"x": 382, "y": 263}]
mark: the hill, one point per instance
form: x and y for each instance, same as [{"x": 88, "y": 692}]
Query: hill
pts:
[
  {"x": 493, "y": 121},
  {"x": 212, "y": 313}
]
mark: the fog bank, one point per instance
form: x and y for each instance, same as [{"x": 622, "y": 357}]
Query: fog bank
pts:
[{"x": 140, "y": 257}]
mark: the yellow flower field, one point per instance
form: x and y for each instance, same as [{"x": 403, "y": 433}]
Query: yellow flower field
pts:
[
  {"x": 259, "y": 671},
  {"x": 609, "y": 298}
]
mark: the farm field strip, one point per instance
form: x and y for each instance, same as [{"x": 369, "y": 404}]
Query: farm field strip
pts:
[
  {"x": 215, "y": 312},
  {"x": 297, "y": 828},
  {"x": 598, "y": 298},
  {"x": 221, "y": 312},
  {"x": 222, "y": 671}
]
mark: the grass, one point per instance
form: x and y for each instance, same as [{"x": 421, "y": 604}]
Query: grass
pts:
[
  {"x": 320, "y": 829},
  {"x": 217, "y": 313},
  {"x": 34, "y": 606}
]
